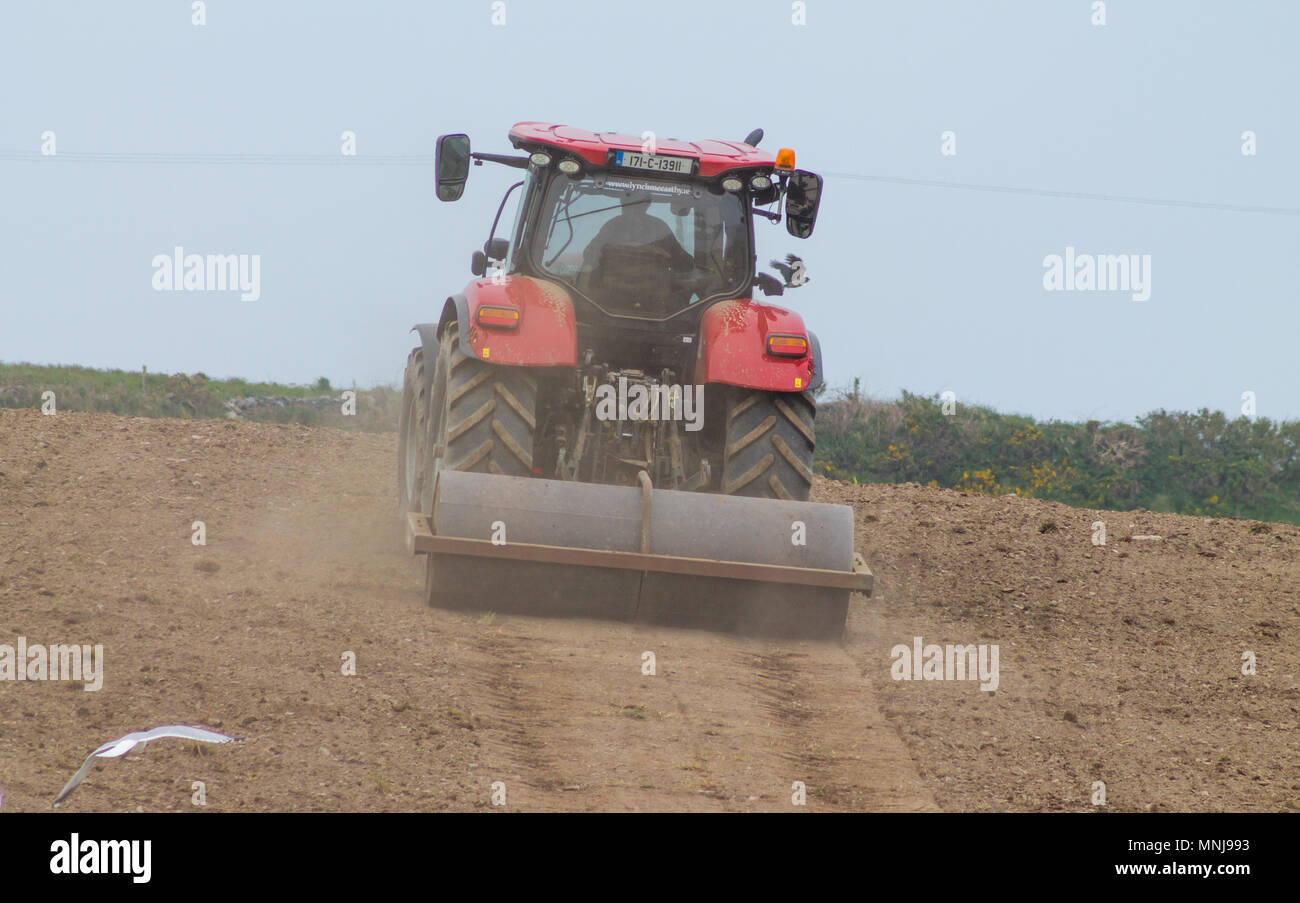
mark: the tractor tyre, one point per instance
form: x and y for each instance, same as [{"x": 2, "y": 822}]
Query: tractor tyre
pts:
[
  {"x": 411, "y": 433},
  {"x": 481, "y": 418},
  {"x": 487, "y": 413},
  {"x": 769, "y": 444}
]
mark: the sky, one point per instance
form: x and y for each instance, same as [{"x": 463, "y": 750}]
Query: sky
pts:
[{"x": 925, "y": 274}]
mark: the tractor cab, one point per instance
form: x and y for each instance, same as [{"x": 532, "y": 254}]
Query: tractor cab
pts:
[
  {"x": 641, "y": 246},
  {"x": 639, "y": 229}
]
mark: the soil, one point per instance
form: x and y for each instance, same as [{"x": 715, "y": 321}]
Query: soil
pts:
[{"x": 1119, "y": 663}]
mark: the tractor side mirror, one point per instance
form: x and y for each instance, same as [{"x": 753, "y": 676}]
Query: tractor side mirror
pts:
[
  {"x": 802, "y": 196},
  {"x": 451, "y": 166},
  {"x": 497, "y": 248},
  {"x": 478, "y": 263}
]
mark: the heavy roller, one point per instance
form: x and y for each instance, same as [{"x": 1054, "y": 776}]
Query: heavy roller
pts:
[{"x": 604, "y": 422}]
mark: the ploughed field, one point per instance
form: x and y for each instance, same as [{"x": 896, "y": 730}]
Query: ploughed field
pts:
[{"x": 1118, "y": 663}]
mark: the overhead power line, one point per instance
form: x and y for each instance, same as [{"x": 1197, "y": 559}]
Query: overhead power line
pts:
[
  {"x": 221, "y": 159},
  {"x": 1069, "y": 195},
  {"x": 199, "y": 159}
]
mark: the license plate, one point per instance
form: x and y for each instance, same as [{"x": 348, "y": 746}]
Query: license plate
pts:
[{"x": 683, "y": 166}]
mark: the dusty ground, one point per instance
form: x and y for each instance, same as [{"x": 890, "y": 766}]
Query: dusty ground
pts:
[
  {"x": 1119, "y": 663},
  {"x": 303, "y": 563}
]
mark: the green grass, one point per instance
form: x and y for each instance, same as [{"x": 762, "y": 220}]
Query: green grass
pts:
[
  {"x": 184, "y": 395},
  {"x": 1199, "y": 463}
]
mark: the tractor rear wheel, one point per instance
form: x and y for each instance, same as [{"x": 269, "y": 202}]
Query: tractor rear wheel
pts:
[
  {"x": 411, "y": 433},
  {"x": 481, "y": 418},
  {"x": 769, "y": 444},
  {"x": 487, "y": 413}
]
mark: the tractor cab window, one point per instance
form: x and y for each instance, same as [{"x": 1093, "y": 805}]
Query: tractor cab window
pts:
[{"x": 646, "y": 247}]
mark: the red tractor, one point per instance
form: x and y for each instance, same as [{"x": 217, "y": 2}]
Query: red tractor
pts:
[{"x": 609, "y": 339}]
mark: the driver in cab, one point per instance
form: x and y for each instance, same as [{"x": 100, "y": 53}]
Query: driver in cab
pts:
[{"x": 637, "y": 252}]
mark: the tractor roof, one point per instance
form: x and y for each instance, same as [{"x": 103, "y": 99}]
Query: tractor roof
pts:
[{"x": 715, "y": 156}]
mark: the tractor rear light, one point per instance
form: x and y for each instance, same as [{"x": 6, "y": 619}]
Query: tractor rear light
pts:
[
  {"x": 785, "y": 159},
  {"x": 498, "y": 317},
  {"x": 540, "y": 159},
  {"x": 787, "y": 345},
  {"x": 760, "y": 183},
  {"x": 570, "y": 167},
  {"x": 731, "y": 183}
]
